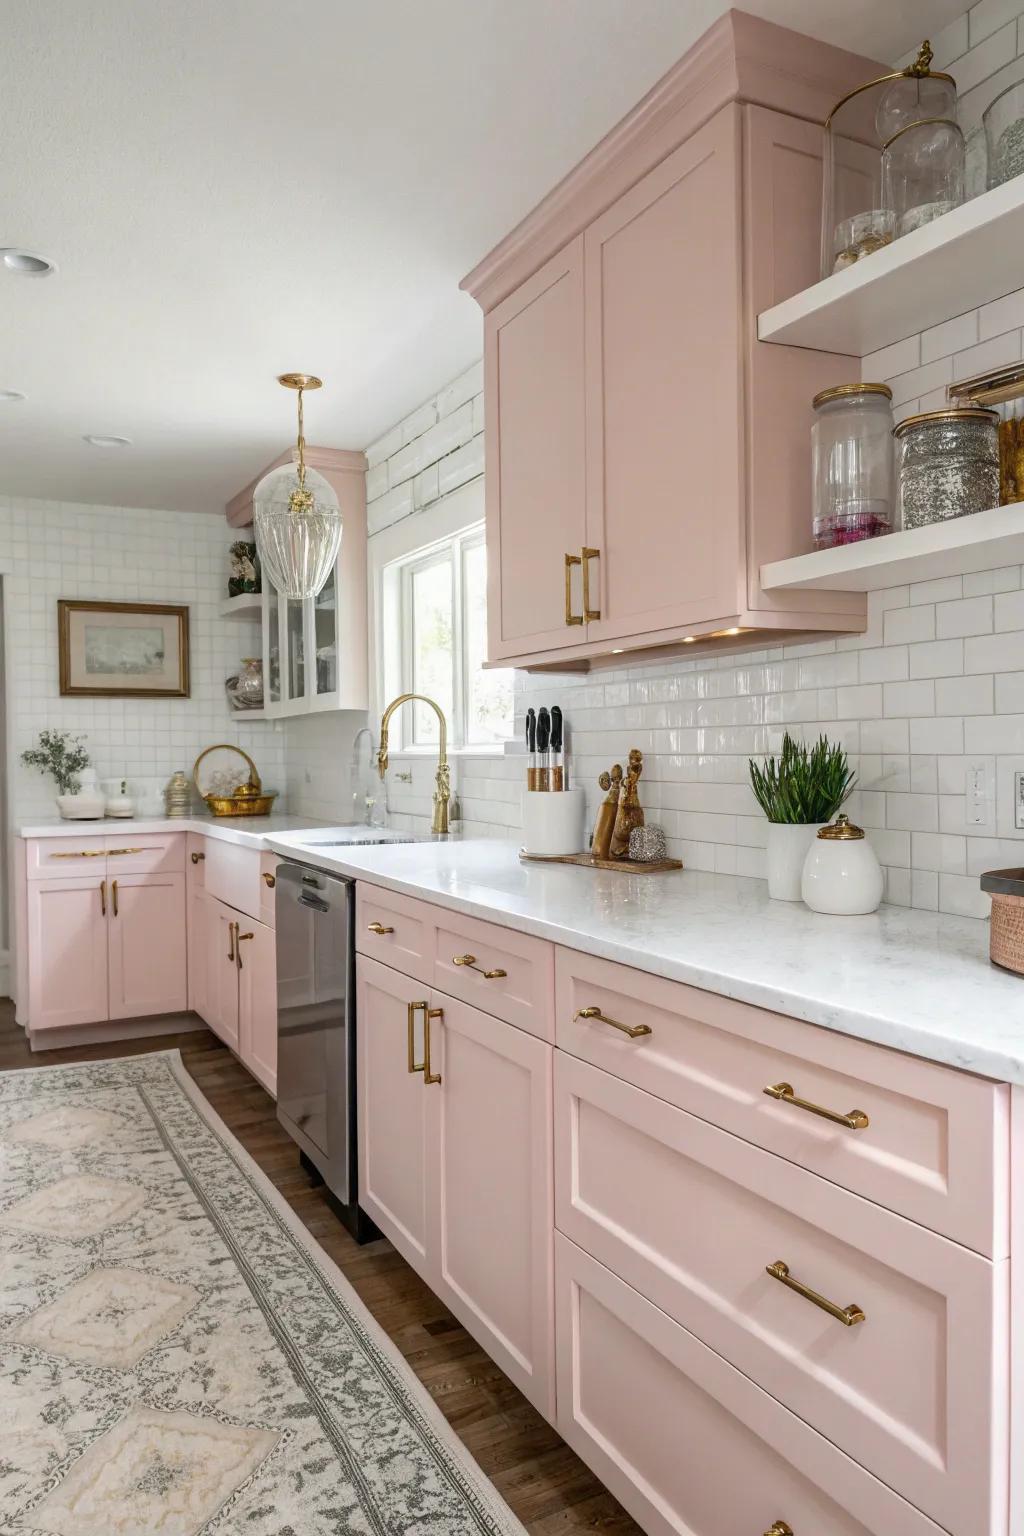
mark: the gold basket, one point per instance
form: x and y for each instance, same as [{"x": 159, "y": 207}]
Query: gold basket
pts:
[{"x": 249, "y": 799}]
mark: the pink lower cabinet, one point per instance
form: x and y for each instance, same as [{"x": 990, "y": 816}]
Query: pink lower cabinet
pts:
[
  {"x": 691, "y": 1217},
  {"x": 455, "y": 1162},
  {"x": 257, "y": 1001},
  {"x": 148, "y": 967},
  {"x": 690, "y": 1445},
  {"x": 67, "y": 951}
]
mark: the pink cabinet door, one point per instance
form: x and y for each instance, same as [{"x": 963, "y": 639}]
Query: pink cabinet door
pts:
[
  {"x": 392, "y": 1107},
  {"x": 686, "y": 1442},
  {"x": 148, "y": 967},
  {"x": 489, "y": 1191},
  {"x": 197, "y": 916},
  {"x": 221, "y": 926},
  {"x": 664, "y": 443},
  {"x": 257, "y": 1001},
  {"x": 67, "y": 951},
  {"x": 533, "y": 398}
]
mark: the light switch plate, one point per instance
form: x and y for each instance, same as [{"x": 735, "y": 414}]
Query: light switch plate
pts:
[{"x": 1018, "y": 799}]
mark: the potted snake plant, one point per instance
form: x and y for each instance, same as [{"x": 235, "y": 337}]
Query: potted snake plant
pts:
[{"x": 799, "y": 792}]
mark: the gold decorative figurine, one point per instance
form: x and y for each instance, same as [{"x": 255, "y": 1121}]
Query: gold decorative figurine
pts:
[
  {"x": 630, "y": 812},
  {"x": 605, "y": 824}
]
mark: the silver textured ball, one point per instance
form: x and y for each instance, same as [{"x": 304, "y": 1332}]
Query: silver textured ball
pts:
[{"x": 647, "y": 845}]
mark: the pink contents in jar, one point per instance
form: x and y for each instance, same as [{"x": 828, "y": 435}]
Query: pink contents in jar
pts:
[{"x": 849, "y": 528}]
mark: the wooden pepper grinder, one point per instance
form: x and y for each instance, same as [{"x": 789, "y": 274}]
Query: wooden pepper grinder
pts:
[
  {"x": 630, "y": 812},
  {"x": 605, "y": 824}
]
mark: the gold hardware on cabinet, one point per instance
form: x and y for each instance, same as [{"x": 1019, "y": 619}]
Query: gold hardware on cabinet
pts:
[
  {"x": 103, "y": 898},
  {"x": 856, "y": 1120},
  {"x": 848, "y": 1316},
  {"x": 570, "y": 617},
  {"x": 414, "y": 1065},
  {"x": 269, "y": 880},
  {"x": 634, "y": 1031},
  {"x": 779, "y": 1528},
  {"x": 430, "y": 1013},
  {"x": 91, "y": 853},
  {"x": 113, "y": 893},
  {"x": 112, "y": 853},
  {"x": 469, "y": 961},
  {"x": 239, "y": 940},
  {"x": 378, "y": 928},
  {"x": 232, "y": 930},
  {"x": 197, "y": 858},
  {"x": 588, "y": 612}
]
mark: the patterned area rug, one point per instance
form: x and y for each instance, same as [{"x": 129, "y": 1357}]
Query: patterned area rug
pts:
[{"x": 178, "y": 1354}]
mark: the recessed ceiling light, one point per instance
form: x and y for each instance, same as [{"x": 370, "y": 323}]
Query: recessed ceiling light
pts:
[
  {"x": 96, "y": 440},
  {"x": 27, "y": 263},
  {"x": 8, "y": 396}
]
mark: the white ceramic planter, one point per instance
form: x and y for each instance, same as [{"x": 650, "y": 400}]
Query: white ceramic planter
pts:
[{"x": 788, "y": 846}]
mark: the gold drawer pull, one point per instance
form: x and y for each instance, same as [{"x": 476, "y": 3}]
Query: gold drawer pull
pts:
[
  {"x": 103, "y": 898},
  {"x": 113, "y": 852},
  {"x": 846, "y": 1315},
  {"x": 588, "y": 612},
  {"x": 856, "y": 1120},
  {"x": 197, "y": 858},
  {"x": 469, "y": 961},
  {"x": 232, "y": 930},
  {"x": 570, "y": 617},
  {"x": 113, "y": 892},
  {"x": 413, "y": 1064},
  {"x": 378, "y": 928},
  {"x": 779, "y": 1528},
  {"x": 269, "y": 880},
  {"x": 430, "y": 1013},
  {"x": 634, "y": 1031},
  {"x": 91, "y": 853}
]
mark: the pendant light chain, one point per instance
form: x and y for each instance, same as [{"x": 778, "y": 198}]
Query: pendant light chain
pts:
[{"x": 302, "y": 448}]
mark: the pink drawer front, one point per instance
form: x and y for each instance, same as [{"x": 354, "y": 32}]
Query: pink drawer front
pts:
[
  {"x": 151, "y": 853},
  {"x": 935, "y": 1146},
  {"x": 195, "y": 861},
  {"x": 268, "y": 887},
  {"x": 691, "y": 1217},
  {"x": 397, "y": 930},
  {"x": 53, "y": 858},
  {"x": 687, "y": 1443},
  {"x": 233, "y": 875},
  {"x": 509, "y": 974}
]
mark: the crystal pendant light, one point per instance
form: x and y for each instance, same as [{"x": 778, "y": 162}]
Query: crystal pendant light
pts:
[{"x": 296, "y": 517}]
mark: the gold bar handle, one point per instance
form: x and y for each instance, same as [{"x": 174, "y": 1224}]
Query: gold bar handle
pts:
[
  {"x": 232, "y": 928},
  {"x": 779, "y": 1528},
  {"x": 413, "y": 1064},
  {"x": 378, "y": 928},
  {"x": 856, "y": 1120},
  {"x": 469, "y": 961},
  {"x": 90, "y": 853},
  {"x": 431, "y": 1013},
  {"x": 103, "y": 898},
  {"x": 113, "y": 852},
  {"x": 634, "y": 1031},
  {"x": 588, "y": 612},
  {"x": 570, "y": 617},
  {"x": 197, "y": 858},
  {"x": 848, "y": 1316},
  {"x": 239, "y": 939},
  {"x": 113, "y": 892}
]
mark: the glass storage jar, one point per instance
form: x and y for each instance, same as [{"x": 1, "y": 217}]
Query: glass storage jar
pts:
[
  {"x": 852, "y": 464},
  {"x": 1004, "y": 134},
  {"x": 923, "y": 173},
  {"x": 948, "y": 464}
]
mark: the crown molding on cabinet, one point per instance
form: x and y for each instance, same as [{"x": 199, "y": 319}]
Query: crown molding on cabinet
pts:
[
  {"x": 331, "y": 461},
  {"x": 740, "y": 58}
]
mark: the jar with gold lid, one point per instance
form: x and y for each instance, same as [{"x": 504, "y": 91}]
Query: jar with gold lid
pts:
[
  {"x": 852, "y": 464},
  {"x": 842, "y": 876},
  {"x": 948, "y": 464}
]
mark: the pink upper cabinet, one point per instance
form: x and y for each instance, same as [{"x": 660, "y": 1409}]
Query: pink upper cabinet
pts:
[{"x": 645, "y": 453}]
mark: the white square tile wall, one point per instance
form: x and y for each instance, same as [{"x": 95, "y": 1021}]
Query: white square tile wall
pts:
[{"x": 55, "y": 550}]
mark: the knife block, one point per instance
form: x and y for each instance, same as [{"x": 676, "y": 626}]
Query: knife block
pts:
[{"x": 553, "y": 821}]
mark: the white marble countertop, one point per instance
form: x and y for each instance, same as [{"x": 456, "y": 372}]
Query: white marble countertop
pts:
[
  {"x": 918, "y": 981},
  {"x": 249, "y": 831}
]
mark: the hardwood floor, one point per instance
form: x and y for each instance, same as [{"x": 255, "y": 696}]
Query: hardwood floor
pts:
[{"x": 544, "y": 1482}]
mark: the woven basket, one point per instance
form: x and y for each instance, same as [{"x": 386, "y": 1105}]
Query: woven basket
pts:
[{"x": 1006, "y": 944}]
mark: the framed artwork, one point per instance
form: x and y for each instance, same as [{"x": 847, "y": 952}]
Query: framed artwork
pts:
[{"x": 123, "y": 650}]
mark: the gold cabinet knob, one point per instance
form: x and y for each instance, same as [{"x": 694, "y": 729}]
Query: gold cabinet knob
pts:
[
  {"x": 268, "y": 880},
  {"x": 779, "y": 1528},
  {"x": 378, "y": 928},
  {"x": 197, "y": 858}
]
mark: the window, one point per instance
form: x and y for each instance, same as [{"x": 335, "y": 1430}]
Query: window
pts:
[{"x": 435, "y": 641}]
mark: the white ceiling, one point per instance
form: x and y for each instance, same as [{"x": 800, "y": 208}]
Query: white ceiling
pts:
[{"x": 236, "y": 188}]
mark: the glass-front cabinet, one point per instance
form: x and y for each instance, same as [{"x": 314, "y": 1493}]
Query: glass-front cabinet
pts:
[{"x": 303, "y": 653}]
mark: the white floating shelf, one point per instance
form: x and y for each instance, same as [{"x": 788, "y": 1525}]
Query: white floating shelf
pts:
[
  {"x": 966, "y": 258},
  {"x": 979, "y": 542},
  {"x": 247, "y": 606}
]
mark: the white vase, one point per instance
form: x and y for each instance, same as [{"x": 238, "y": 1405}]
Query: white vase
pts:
[{"x": 788, "y": 845}]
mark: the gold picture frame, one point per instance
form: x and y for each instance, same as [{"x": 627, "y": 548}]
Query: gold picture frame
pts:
[{"x": 122, "y": 659}]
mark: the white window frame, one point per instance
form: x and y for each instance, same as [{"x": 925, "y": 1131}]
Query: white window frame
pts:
[{"x": 395, "y": 553}]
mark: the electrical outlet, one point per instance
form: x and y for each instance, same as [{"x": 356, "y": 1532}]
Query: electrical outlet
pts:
[{"x": 1018, "y": 799}]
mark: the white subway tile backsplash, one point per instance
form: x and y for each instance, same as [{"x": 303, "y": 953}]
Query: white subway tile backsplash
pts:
[
  {"x": 934, "y": 658},
  {"x": 942, "y": 590},
  {"x": 951, "y": 336},
  {"x": 1005, "y": 579},
  {"x": 969, "y": 616},
  {"x": 907, "y": 625},
  {"x": 1009, "y": 613},
  {"x": 899, "y": 358},
  {"x": 994, "y": 353},
  {"x": 908, "y": 699},
  {"x": 971, "y": 695},
  {"x": 938, "y": 735}
]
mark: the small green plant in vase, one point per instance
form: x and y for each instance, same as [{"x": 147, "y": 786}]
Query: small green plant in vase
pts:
[
  {"x": 799, "y": 792},
  {"x": 60, "y": 754}
]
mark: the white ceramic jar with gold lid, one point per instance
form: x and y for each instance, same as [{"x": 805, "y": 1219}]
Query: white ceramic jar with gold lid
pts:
[{"x": 841, "y": 875}]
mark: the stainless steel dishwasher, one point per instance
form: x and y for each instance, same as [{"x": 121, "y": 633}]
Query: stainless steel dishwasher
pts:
[{"x": 316, "y": 1035}]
